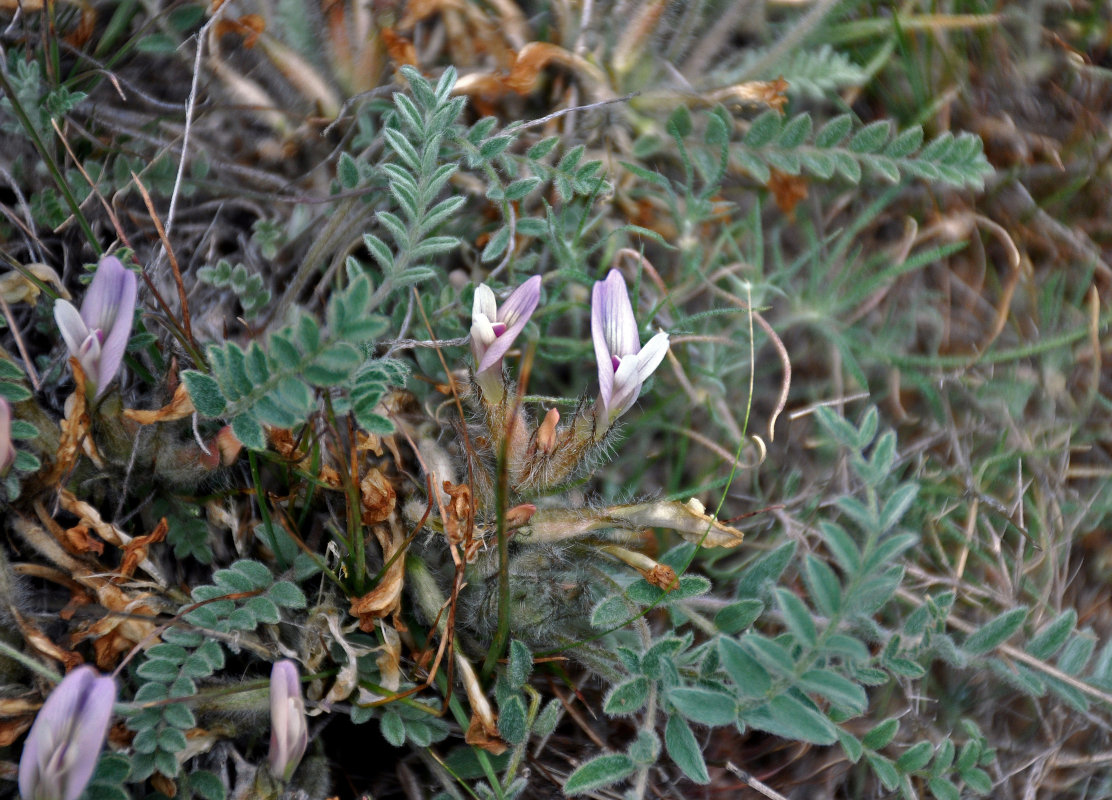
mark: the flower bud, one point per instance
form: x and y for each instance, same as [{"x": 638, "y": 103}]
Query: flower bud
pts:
[
  {"x": 289, "y": 733},
  {"x": 65, "y": 741},
  {"x": 7, "y": 449}
]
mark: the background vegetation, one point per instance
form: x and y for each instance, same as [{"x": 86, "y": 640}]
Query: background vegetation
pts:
[{"x": 876, "y": 236}]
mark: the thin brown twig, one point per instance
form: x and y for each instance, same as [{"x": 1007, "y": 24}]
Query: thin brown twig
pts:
[{"x": 186, "y": 322}]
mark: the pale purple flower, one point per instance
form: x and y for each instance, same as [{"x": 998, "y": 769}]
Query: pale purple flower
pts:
[
  {"x": 623, "y": 365},
  {"x": 289, "y": 733},
  {"x": 65, "y": 741},
  {"x": 494, "y": 327},
  {"x": 7, "y": 449},
  {"x": 97, "y": 336}
]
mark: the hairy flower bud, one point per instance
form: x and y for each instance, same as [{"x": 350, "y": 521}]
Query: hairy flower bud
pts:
[
  {"x": 97, "y": 335},
  {"x": 289, "y": 733},
  {"x": 623, "y": 365},
  {"x": 65, "y": 741}
]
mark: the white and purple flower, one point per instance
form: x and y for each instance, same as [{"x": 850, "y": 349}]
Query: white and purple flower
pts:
[
  {"x": 623, "y": 364},
  {"x": 97, "y": 335},
  {"x": 67, "y": 736},
  {"x": 494, "y": 329}
]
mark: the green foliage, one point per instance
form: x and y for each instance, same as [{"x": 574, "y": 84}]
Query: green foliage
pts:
[
  {"x": 415, "y": 178},
  {"x": 250, "y": 289},
  {"x": 171, "y": 670},
  {"x": 276, "y": 386},
  {"x": 811, "y": 72},
  {"x": 838, "y": 148}
]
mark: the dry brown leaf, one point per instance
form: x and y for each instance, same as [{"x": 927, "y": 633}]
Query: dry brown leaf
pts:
[
  {"x": 15, "y": 287},
  {"x": 483, "y": 729},
  {"x": 378, "y": 497},
  {"x": 535, "y": 56},
  {"x": 401, "y": 50},
  {"x": 773, "y": 94},
  {"x": 75, "y": 430},
  {"x": 78, "y": 540},
  {"x": 788, "y": 190},
  {"x": 106, "y": 531},
  {"x": 12, "y": 729},
  {"x": 135, "y": 552},
  {"x": 179, "y": 407},
  {"x": 248, "y": 26},
  {"x": 165, "y": 785},
  {"x": 43, "y": 644},
  {"x": 385, "y": 598}
]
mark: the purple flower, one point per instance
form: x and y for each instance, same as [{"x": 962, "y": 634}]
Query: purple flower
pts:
[
  {"x": 623, "y": 365},
  {"x": 289, "y": 734},
  {"x": 64, "y": 744},
  {"x": 97, "y": 336},
  {"x": 494, "y": 328},
  {"x": 7, "y": 450}
]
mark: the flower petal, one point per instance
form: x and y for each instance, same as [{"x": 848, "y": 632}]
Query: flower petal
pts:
[
  {"x": 101, "y": 305},
  {"x": 602, "y": 348},
  {"x": 117, "y": 335},
  {"x": 70, "y": 324},
  {"x": 485, "y": 302},
  {"x": 619, "y": 325},
  {"x": 522, "y": 302},
  {"x": 627, "y": 385},
  {"x": 7, "y": 451},
  {"x": 651, "y": 355}
]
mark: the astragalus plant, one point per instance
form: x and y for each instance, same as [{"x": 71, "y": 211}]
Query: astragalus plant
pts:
[{"x": 408, "y": 437}]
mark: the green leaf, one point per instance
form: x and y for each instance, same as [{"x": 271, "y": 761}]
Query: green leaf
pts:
[
  {"x": 682, "y": 748},
  {"x": 884, "y": 769},
  {"x": 822, "y": 585},
  {"x": 943, "y": 789},
  {"x": 738, "y": 616},
  {"x": 851, "y": 745},
  {"x": 839, "y": 690},
  {"x": 841, "y": 546},
  {"x": 786, "y": 716},
  {"x": 207, "y": 785},
  {"x": 611, "y": 612},
  {"x": 915, "y": 757},
  {"x": 14, "y": 392},
  {"x": 512, "y": 722},
  {"x": 204, "y": 392},
  {"x": 834, "y": 131},
  {"x": 764, "y": 569},
  {"x": 628, "y": 697},
  {"x": 1053, "y": 635},
  {"x": 978, "y": 780},
  {"x": 869, "y": 140},
  {"x": 763, "y": 130},
  {"x": 772, "y": 655},
  {"x": 392, "y": 728},
  {"x": 750, "y": 678},
  {"x": 705, "y": 706},
  {"x": 795, "y": 132},
  {"x": 542, "y": 148},
  {"x": 897, "y": 505},
  {"x": 599, "y": 772},
  {"x": 287, "y": 595},
  {"x": 797, "y": 616},
  {"x": 879, "y": 737},
  {"x": 520, "y": 664},
  {"x": 995, "y": 632},
  {"x": 249, "y": 432}
]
